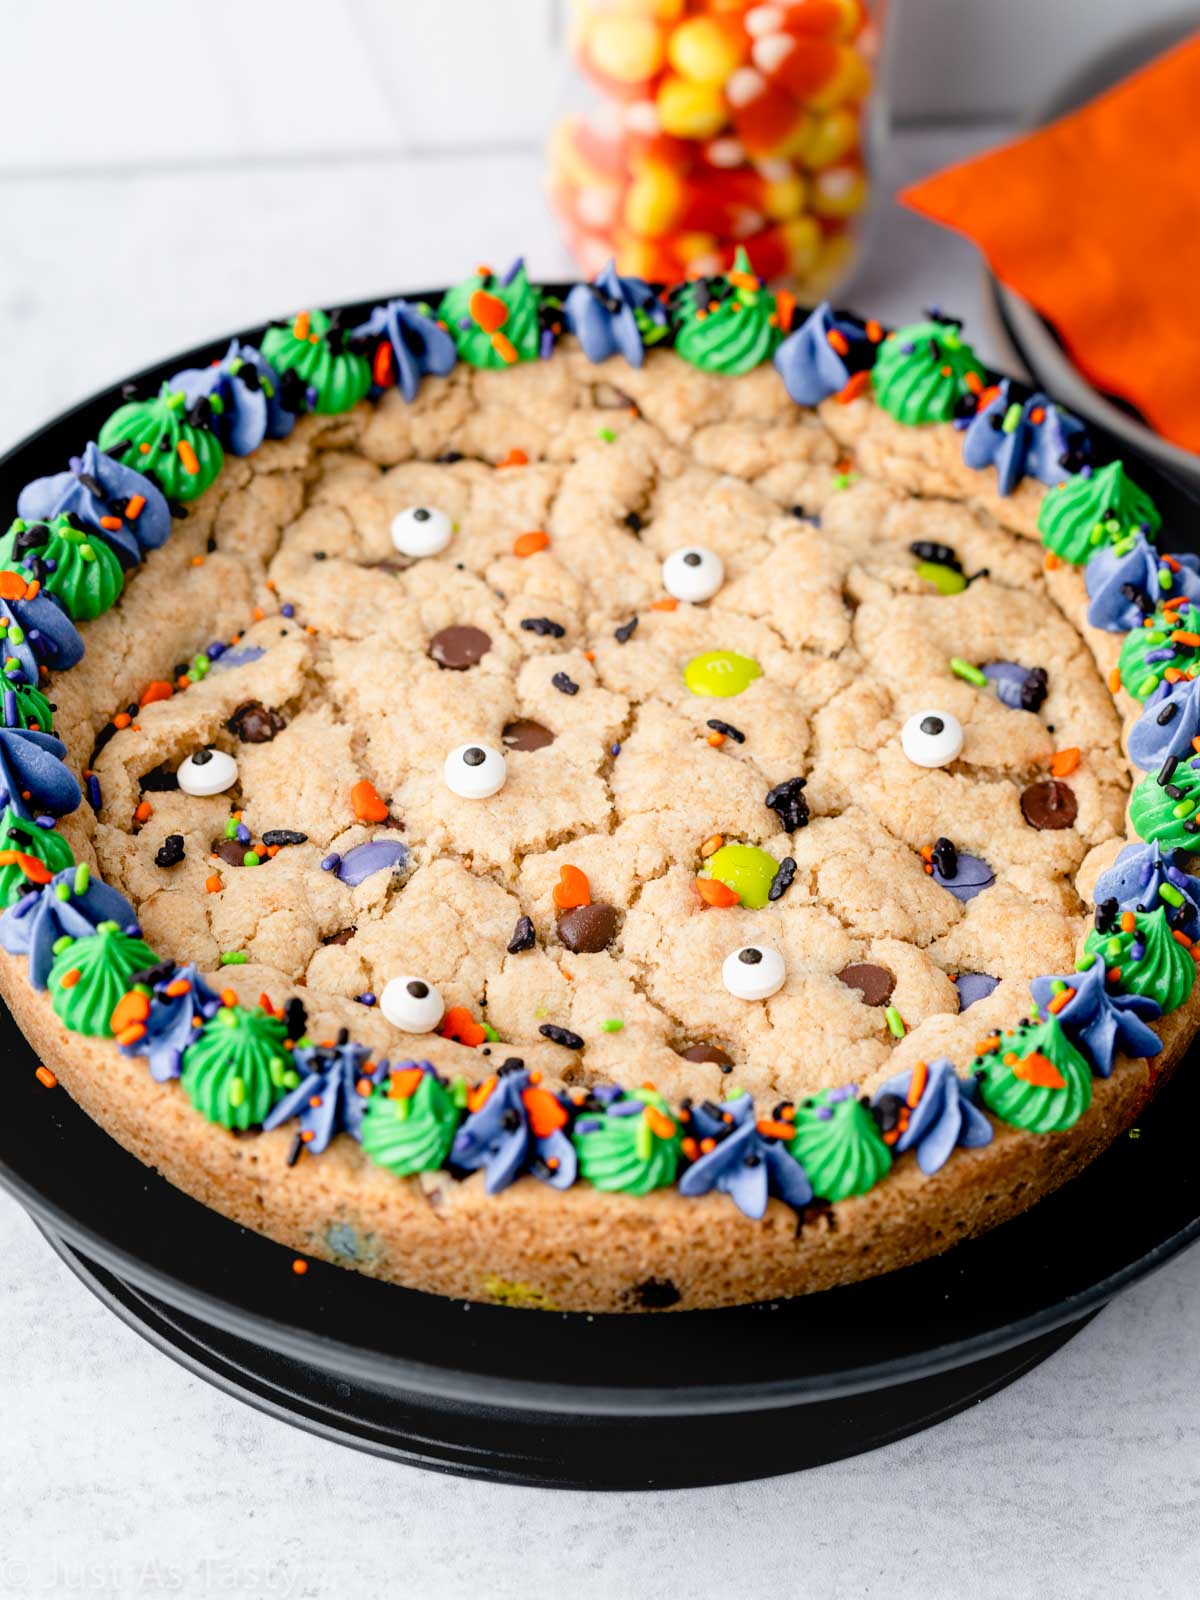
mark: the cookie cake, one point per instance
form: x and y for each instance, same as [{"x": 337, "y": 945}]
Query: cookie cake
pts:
[{"x": 613, "y": 799}]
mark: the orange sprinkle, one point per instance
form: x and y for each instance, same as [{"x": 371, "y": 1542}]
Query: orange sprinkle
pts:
[
  {"x": 134, "y": 507},
  {"x": 270, "y": 584},
  {"x": 1113, "y": 974},
  {"x": 715, "y": 893},
  {"x": 1040, "y": 1071},
  {"x": 771, "y": 1128},
  {"x": 916, "y": 1086},
  {"x": 1050, "y": 561},
  {"x": 182, "y": 681},
  {"x": 785, "y": 304},
  {"x": 264, "y": 1004},
  {"x": 111, "y": 524},
  {"x": 1128, "y": 924},
  {"x": 662, "y": 1127},
  {"x": 589, "y": 655},
  {"x": 572, "y": 889},
  {"x": 711, "y": 845},
  {"x": 528, "y": 544},
  {"x": 122, "y": 719},
  {"x": 133, "y": 1034},
  {"x": 1173, "y": 675},
  {"x": 1172, "y": 565},
  {"x": 1037, "y": 416},
  {"x": 144, "y": 812},
  {"x": 857, "y": 384},
  {"x": 368, "y": 807},
  {"x": 177, "y": 987},
  {"x": 197, "y": 561},
  {"x": 838, "y": 341},
  {"x": 1065, "y": 761},
  {"x": 46, "y": 1078},
  {"x": 985, "y": 1047},
  {"x": 144, "y": 449},
  {"x": 12, "y": 586},
  {"x": 546, "y": 1115},
  {"x": 258, "y": 613},
  {"x": 690, "y": 1149},
  {"x": 1182, "y": 636},
  {"x": 36, "y": 871},
  {"x": 1181, "y": 938},
  {"x": 479, "y": 1096},
  {"x": 946, "y": 371},
  {"x": 213, "y": 884},
  {"x": 300, "y": 328},
  {"x": 160, "y": 689},
  {"x": 299, "y": 1267},
  {"x": 273, "y": 850},
  {"x": 188, "y": 456},
  {"x": 383, "y": 367},
  {"x": 1063, "y": 998},
  {"x": 716, "y": 739},
  {"x": 874, "y": 331},
  {"x": 667, "y": 603},
  {"x": 70, "y": 979},
  {"x": 504, "y": 348},
  {"x": 514, "y": 458},
  {"x": 1114, "y": 680}
]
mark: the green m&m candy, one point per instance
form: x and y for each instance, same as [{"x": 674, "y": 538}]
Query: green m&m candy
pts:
[
  {"x": 946, "y": 580},
  {"x": 720, "y": 673},
  {"x": 745, "y": 869}
]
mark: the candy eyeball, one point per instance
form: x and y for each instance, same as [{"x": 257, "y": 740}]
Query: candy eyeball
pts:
[
  {"x": 207, "y": 772},
  {"x": 755, "y": 972},
  {"x": 475, "y": 771},
  {"x": 693, "y": 573},
  {"x": 421, "y": 531},
  {"x": 932, "y": 738},
  {"x": 411, "y": 1004}
]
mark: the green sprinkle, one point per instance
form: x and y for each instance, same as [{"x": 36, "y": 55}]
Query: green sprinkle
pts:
[
  {"x": 237, "y": 1091},
  {"x": 1184, "y": 808},
  {"x": 1012, "y": 419},
  {"x": 541, "y": 1012},
  {"x": 176, "y": 400},
  {"x": 1170, "y": 894},
  {"x": 611, "y": 1025},
  {"x": 1166, "y": 578},
  {"x": 62, "y": 891},
  {"x": 843, "y": 480},
  {"x": 15, "y": 634},
  {"x": 231, "y": 828},
  {"x": 895, "y": 1023},
  {"x": 251, "y": 858},
  {"x": 83, "y": 876},
  {"x": 490, "y": 1033},
  {"x": 643, "y": 1139},
  {"x": 606, "y": 434},
  {"x": 61, "y": 944},
  {"x": 87, "y": 552},
  {"x": 227, "y": 1014},
  {"x": 234, "y": 958},
  {"x": 964, "y": 669}
]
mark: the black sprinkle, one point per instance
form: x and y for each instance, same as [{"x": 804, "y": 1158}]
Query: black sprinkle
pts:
[
  {"x": 524, "y": 937},
  {"x": 283, "y": 836},
  {"x": 564, "y": 684},
  {"x": 1172, "y": 791},
  {"x": 727, "y": 728},
  {"x": 562, "y": 1036},
  {"x": 633, "y": 522},
  {"x": 543, "y": 626},
  {"x": 626, "y": 631},
  {"x": 177, "y": 510},
  {"x": 170, "y": 851},
  {"x": 449, "y": 457},
  {"x": 319, "y": 555},
  {"x": 786, "y": 799},
  {"x": 1167, "y": 713},
  {"x": 1167, "y": 771},
  {"x": 294, "y": 1153},
  {"x": 107, "y": 732},
  {"x": 1106, "y": 915},
  {"x": 152, "y": 976},
  {"x": 941, "y": 555},
  {"x": 119, "y": 448},
  {"x": 295, "y": 1018},
  {"x": 782, "y": 881}
]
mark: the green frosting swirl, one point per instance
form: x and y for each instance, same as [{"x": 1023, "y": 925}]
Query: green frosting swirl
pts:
[
  {"x": 1084, "y": 514},
  {"x": 1036, "y": 1107},
  {"x": 90, "y": 975},
  {"x": 157, "y": 439},
  {"x": 33, "y": 710},
  {"x": 414, "y": 1132},
  {"x": 237, "y": 1066},
  {"x": 1165, "y": 971},
  {"x": 1168, "y": 819},
  {"x": 86, "y": 575},
  {"x": 312, "y": 347},
  {"x": 631, "y": 1153},
  {"x": 726, "y": 324},
  {"x": 1141, "y": 677},
  {"x": 493, "y": 324},
  {"x": 921, "y": 372},
  {"x": 22, "y": 841},
  {"x": 839, "y": 1145}
]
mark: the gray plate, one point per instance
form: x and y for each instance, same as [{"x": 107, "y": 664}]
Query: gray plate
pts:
[{"x": 1033, "y": 337}]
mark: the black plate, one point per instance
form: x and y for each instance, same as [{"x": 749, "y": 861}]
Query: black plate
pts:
[{"x": 565, "y": 1398}]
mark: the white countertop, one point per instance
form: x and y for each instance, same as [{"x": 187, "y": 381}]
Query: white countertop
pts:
[{"x": 121, "y": 1474}]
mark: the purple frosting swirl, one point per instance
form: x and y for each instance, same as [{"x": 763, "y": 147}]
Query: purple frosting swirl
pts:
[
  {"x": 326, "y": 1100},
  {"x": 744, "y": 1164},
  {"x": 419, "y": 343},
  {"x": 498, "y": 1137},
  {"x": 1004, "y": 435},
  {"x": 246, "y": 388},
  {"x": 1170, "y": 720},
  {"x": 603, "y": 315},
  {"x": 810, "y": 367},
  {"x": 170, "y": 1026},
  {"x": 72, "y": 903},
  {"x": 1099, "y": 1022},
  {"x": 33, "y": 774},
  {"x": 944, "y": 1116},
  {"x": 1125, "y": 583},
  {"x": 973, "y": 987},
  {"x": 96, "y": 486},
  {"x": 1136, "y": 878}
]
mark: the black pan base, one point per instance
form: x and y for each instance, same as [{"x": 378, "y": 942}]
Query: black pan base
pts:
[{"x": 556, "y": 1449}]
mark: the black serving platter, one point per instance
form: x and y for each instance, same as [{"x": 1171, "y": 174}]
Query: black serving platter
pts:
[{"x": 570, "y": 1400}]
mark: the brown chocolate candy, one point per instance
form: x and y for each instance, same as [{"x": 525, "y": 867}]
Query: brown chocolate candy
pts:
[
  {"x": 459, "y": 647},
  {"x": 342, "y": 936},
  {"x": 523, "y": 734},
  {"x": 876, "y": 983},
  {"x": 587, "y": 929},
  {"x": 230, "y": 850},
  {"x": 1049, "y": 804},
  {"x": 254, "y": 724},
  {"x": 707, "y": 1052}
]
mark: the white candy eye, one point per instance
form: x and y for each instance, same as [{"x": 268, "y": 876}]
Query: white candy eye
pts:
[
  {"x": 932, "y": 738},
  {"x": 755, "y": 972},
  {"x": 412, "y": 1004},
  {"x": 693, "y": 573},
  {"x": 207, "y": 772},
  {"x": 421, "y": 531},
  {"x": 474, "y": 771}
]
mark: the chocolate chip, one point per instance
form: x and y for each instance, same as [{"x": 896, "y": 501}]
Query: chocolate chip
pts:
[
  {"x": 254, "y": 724},
  {"x": 525, "y": 734},
  {"x": 875, "y": 983},
  {"x": 524, "y": 937},
  {"x": 562, "y": 1036},
  {"x": 158, "y": 780},
  {"x": 459, "y": 647},
  {"x": 170, "y": 851},
  {"x": 708, "y": 1053},
  {"x": 587, "y": 929},
  {"x": 295, "y": 1017},
  {"x": 230, "y": 850},
  {"x": 1049, "y": 804},
  {"x": 786, "y": 799},
  {"x": 1035, "y": 689},
  {"x": 656, "y": 1294},
  {"x": 342, "y": 936}
]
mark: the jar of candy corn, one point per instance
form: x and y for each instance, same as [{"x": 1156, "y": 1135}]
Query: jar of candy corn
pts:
[{"x": 717, "y": 124}]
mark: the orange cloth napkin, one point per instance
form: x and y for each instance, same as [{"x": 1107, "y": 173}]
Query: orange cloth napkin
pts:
[{"x": 1096, "y": 221}]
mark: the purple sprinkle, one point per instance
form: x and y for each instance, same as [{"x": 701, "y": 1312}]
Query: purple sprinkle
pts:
[
  {"x": 588, "y": 1125},
  {"x": 330, "y": 861},
  {"x": 614, "y": 749},
  {"x": 1158, "y": 655},
  {"x": 512, "y": 272},
  {"x": 907, "y": 347},
  {"x": 367, "y": 999},
  {"x": 43, "y": 821},
  {"x": 51, "y": 564},
  {"x": 75, "y": 464},
  {"x": 133, "y": 929},
  {"x": 823, "y": 1114},
  {"x": 627, "y": 1108},
  {"x": 465, "y": 322},
  {"x": 1137, "y": 950},
  {"x": 243, "y": 833},
  {"x": 846, "y": 1092},
  {"x": 93, "y": 789},
  {"x": 1085, "y": 472},
  {"x": 33, "y": 635},
  {"x": 1179, "y": 879},
  {"x": 216, "y": 650},
  {"x": 364, "y": 860},
  {"x": 288, "y": 610},
  {"x": 310, "y": 394},
  {"x": 546, "y": 346}
]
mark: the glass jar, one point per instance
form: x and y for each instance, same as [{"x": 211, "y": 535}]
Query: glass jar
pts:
[{"x": 712, "y": 125}]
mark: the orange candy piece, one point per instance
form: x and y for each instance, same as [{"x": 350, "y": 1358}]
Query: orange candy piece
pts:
[
  {"x": 459, "y": 1024},
  {"x": 528, "y": 544},
  {"x": 488, "y": 310},
  {"x": 160, "y": 689},
  {"x": 1038, "y": 1070},
  {"x": 545, "y": 1114},
  {"x": 715, "y": 893},
  {"x": 572, "y": 889},
  {"x": 12, "y": 586},
  {"x": 130, "y": 1009},
  {"x": 368, "y": 807},
  {"x": 404, "y": 1082}
]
